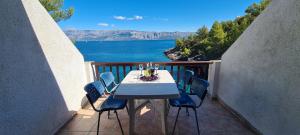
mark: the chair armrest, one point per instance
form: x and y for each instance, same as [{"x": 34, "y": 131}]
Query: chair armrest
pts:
[
  {"x": 114, "y": 88},
  {"x": 115, "y": 83}
]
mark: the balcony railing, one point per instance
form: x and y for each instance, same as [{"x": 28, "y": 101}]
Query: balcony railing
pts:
[{"x": 176, "y": 69}]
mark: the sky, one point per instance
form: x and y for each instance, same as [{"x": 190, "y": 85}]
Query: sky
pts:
[{"x": 151, "y": 15}]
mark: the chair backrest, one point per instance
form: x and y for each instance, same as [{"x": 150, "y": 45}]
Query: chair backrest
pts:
[
  {"x": 94, "y": 91},
  {"x": 185, "y": 82},
  {"x": 199, "y": 88},
  {"x": 188, "y": 77},
  {"x": 108, "y": 78},
  {"x": 202, "y": 93}
]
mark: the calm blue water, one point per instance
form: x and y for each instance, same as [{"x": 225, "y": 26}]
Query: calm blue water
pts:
[{"x": 125, "y": 51}]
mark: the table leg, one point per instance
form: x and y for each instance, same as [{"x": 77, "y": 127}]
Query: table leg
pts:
[
  {"x": 164, "y": 113},
  {"x": 131, "y": 116}
]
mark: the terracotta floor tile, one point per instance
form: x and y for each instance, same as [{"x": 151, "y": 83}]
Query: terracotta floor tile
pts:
[
  {"x": 73, "y": 133},
  {"x": 212, "y": 117}
]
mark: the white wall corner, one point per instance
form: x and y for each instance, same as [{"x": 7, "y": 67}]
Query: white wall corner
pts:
[
  {"x": 51, "y": 74},
  {"x": 90, "y": 71},
  {"x": 213, "y": 78},
  {"x": 90, "y": 77}
]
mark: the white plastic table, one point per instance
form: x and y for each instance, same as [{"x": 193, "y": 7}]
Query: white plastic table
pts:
[{"x": 132, "y": 88}]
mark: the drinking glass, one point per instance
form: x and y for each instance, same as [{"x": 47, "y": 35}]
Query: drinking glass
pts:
[
  {"x": 141, "y": 68},
  {"x": 148, "y": 66},
  {"x": 156, "y": 67}
]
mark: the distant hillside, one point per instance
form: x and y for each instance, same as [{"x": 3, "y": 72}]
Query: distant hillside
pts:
[{"x": 117, "y": 35}]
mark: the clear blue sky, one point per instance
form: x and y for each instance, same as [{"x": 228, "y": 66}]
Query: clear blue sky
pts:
[{"x": 151, "y": 15}]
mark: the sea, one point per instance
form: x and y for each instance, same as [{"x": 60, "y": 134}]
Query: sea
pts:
[{"x": 125, "y": 51}]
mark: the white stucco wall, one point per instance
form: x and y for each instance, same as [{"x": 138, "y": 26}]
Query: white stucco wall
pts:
[
  {"x": 213, "y": 78},
  {"x": 260, "y": 73},
  {"x": 42, "y": 72}
]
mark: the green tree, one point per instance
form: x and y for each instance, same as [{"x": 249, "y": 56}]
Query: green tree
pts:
[
  {"x": 255, "y": 9},
  {"x": 217, "y": 34},
  {"x": 180, "y": 43},
  {"x": 54, "y": 7},
  {"x": 186, "y": 52},
  {"x": 214, "y": 42},
  {"x": 232, "y": 33},
  {"x": 202, "y": 33}
]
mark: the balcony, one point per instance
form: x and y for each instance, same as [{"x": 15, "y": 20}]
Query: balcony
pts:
[
  {"x": 214, "y": 118},
  {"x": 43, "y": 75}
]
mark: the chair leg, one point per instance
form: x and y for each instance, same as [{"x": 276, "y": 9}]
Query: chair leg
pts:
[
  {"x": 108, "y": 113},
  {"x": 196, "y": 120},
  {"x": 119, "y": 122},
  {"x": 127, "y": 109},
  {"x": 98, "y": 125},
  {"x": 168, "y": 108},
  {"x": 176, "y": 120},
  {"x": 187, "y": 111}
]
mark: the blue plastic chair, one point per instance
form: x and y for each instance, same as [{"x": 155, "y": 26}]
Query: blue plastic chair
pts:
[
  {"x": 109, "y": 82},
  {"x": 186, "y": 101},
  {"x": 110, "y": 85},
  {"x": 94, "y": 91},
  {"x": 185, "y": 83}
]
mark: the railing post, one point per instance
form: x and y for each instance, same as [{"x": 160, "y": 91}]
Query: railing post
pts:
[
  {"x": 178, "y": 73},
  {"x": 124, "y": 70},
  {"x": 118, "y": 74},
  {"x": 103, "y": 69},
  {"x": 172, "y": 70},
  {"x": 110, "y": 68},
  {"x": 97, "y": 72},
  {"x": 213, "y": 78}
]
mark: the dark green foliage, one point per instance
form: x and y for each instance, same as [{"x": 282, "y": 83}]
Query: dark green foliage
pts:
[
  {"x": 211, "y": 44},
  {"x": 216, "y": 34},
  {"x": 202, "y": 33},
  {"x": 54, "y": 7}
]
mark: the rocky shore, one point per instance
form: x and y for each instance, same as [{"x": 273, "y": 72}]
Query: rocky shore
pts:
[
  {"x": 172, "y": 54},
  {"x": 175, "y": 55}
]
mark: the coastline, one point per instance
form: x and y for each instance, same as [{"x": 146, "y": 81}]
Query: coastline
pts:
[
  {"x": 175, "y": 55},
  {"x": 170, "y": 54}
]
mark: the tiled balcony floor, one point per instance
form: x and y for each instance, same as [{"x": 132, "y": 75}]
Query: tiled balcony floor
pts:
[{"x": 213, "y": 120}]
